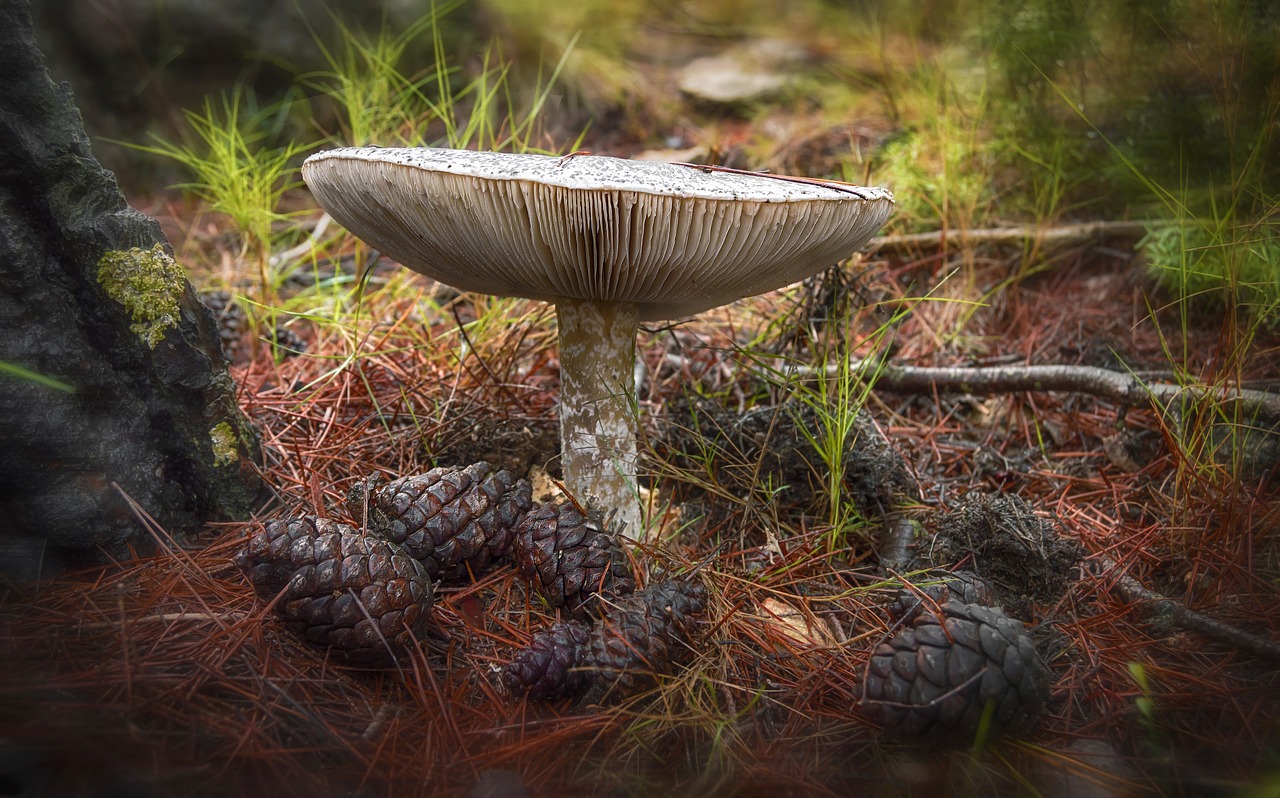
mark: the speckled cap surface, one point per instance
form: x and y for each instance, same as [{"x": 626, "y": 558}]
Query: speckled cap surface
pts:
[{"x": 672, "y": 239}]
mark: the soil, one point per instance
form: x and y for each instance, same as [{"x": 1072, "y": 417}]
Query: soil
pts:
[
  {"x": 1001, "y": 539},
  {"x": 517, "y": 445}
]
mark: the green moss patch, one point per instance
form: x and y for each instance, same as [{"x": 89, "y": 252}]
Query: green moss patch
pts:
[
  {"x": 148, "y": 283},
  {"x": 225, "y": 451}
]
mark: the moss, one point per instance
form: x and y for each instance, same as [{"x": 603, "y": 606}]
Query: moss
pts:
[
  {"x": 148, "y": 284},
  {"x": 225, "y": 450}
]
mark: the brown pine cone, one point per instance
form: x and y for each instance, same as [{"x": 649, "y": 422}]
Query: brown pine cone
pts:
[
  {"x": 933, "y": 681},
  {"x": 547, "y": 668},
  {"x": 570, "y": 559},
  {"x": 355, "y": 593},
  {"x": 272, "y": 556},
  {"x": 455, "y": 521},
  {"x": 642, "y": 635}
]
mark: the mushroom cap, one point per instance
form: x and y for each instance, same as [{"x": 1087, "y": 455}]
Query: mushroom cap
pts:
[{"x": 671, "y": 239}]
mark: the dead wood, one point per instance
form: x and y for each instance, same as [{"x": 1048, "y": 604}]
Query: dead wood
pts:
[
  {"x": 1125, "y": 389},
  {"x": 1062, "y": 235},
  {"x": 1157, "y": 606}
]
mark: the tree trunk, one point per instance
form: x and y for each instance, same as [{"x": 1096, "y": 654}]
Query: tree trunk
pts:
[{"x": 112, "y": 385}]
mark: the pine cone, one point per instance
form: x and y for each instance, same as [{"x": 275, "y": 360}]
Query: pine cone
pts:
[
  {"x": 570, "y": 559},
  {"x": 234, "y": 327},
  {"x": 455, "y": 521},
  {"x": 357, "y": 594},
  {"x": 965, "y": 587},
  {"x": 232, "y": 321},
  {"x": 933, "y": 680},
  {"x": 642, "y": 635},
  {"x": 272, "y": 556},
  {"x": 288, "y": 342},
  {"x": 546, "y": 669}
]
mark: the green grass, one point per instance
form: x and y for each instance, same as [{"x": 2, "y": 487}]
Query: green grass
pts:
[
  {"x": 940, "y": 167},
  {"x": 243, "y": 165},
  {"x": 1216, "y": 266},
  {"x": 380, "y": 99},
  {"x": 238, "y": 171},
  {"x": 366, "y": 82},
  {"x": 14, "y": 371}
]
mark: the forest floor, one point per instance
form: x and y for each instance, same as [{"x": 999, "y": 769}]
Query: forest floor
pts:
[
  {"x": 1140, "y": 545},
  {"x": 168, "y": 670}
]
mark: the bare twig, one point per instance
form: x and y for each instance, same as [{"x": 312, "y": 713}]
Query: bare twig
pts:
[
  {"x": 1117, "y": 386},
  {"x": 1064, "y": 235},
  {"x": 1154, "y": 604}
]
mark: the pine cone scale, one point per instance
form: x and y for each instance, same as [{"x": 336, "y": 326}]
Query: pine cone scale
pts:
[
  {"x": 455, "y": 521},
  {"x": 357, "y": 594},
  {"x": 934, "y": 679},
  {"x": 571, "y": 560},
  {"x": 641, "y": 635}
]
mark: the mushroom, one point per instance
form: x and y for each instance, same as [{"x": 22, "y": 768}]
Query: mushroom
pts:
[{"x": 611, "y": 242}]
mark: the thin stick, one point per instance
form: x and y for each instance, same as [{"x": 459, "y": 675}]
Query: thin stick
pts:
[
  {"x": 1117, "y": 386},
  {"x": 1154, "y": 604},
  {"x": 1063, "y": 235}
]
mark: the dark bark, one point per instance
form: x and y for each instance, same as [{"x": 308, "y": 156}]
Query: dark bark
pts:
[{"x": 150, "y": 409}]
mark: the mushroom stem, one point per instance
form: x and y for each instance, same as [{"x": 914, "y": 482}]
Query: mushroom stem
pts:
[{"x": 597, "y": 406}]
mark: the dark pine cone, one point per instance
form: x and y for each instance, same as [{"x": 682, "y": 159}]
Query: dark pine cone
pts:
[
  {"x": 358, "y": 594},
  {"x": 234, "y": 327},
  {"x": 965, "y": 587},
  {"x": 932, "y": 684},
  {"x": 232, "y": 321},
  {"x": 642, "y": 635},
  {"x": 546, "y": 669},
  {"x": 272, "y": 556},
  {"x": 570, "y": 559},
  {"x": 455, "y": 521}
]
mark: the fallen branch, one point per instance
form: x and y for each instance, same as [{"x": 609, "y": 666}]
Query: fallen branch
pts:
[
  {"x": 1119, "y": 387},
  {"x": 1154, "y": 604},
  {"x": 1064, "y": 235}
]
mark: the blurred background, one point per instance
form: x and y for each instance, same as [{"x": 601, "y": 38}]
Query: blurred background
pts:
[
  {"x": 975, "y": 112},
  {"x": 1186, "y": 88}
]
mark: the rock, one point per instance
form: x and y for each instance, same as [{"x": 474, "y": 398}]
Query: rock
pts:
[
  {"x": 113, "y": 381},
  {"x": 742, "y": 73},
  {"x": 695, "y": 154}
]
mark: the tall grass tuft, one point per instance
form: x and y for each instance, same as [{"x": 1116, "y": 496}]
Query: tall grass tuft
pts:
[{"x": 239, "y": 171}]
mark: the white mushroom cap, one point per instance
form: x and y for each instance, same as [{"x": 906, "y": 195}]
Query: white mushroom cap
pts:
[{"x": 671, "y": 239}]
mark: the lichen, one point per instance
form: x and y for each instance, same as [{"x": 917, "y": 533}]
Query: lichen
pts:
[
  {"x": 225, "y": 450},
  {"x": 148, "y": 284}
]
